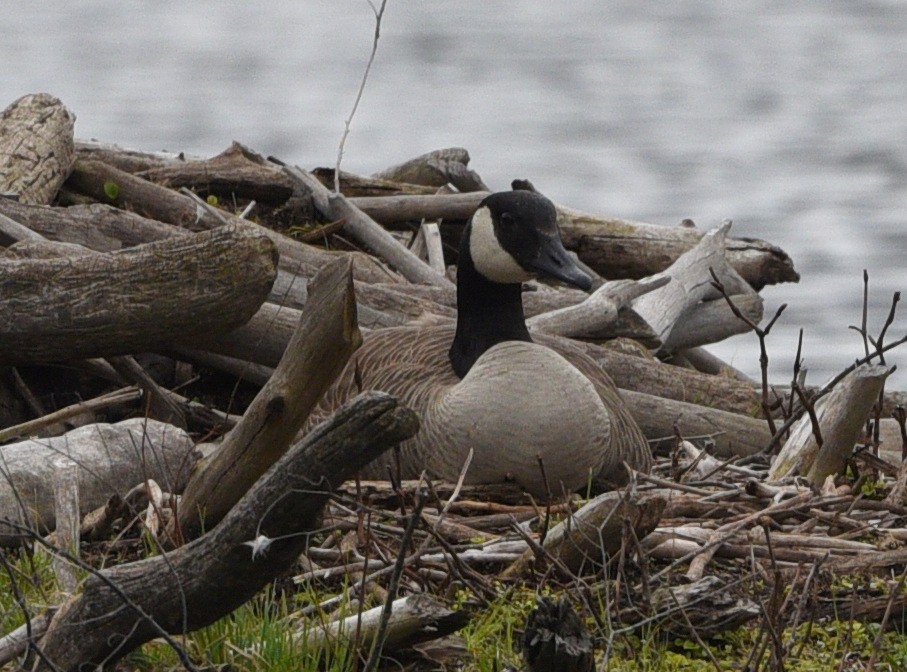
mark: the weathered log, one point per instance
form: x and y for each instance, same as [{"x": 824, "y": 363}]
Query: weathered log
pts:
[
  {"x": 111, "y": 459},
  {"x": 128, "y": 160},
  {"x": 707, "y": 606},
  {"x": 414, "y": 618},
  {"x": 324, "y": 338},
  {"x": 595, "y": 317},
  {"x": 165, "y": 205},
  {"x": 36, "y": 147},
  {"x": 690, "y": 283},
  {"x": 436, "y": 169},
  {"x": 618, "y": 248},
  {"x": 368, "y": 232},
  {"x": 614, "y": 248},
  {"x": 393, "y": 209},
  {"x": 585, "y": 540},
  {"x": 134, "y": 300},
  {"x": 102, "y": 228},
  {"x": 236, "y": 171},
  {"x": 840, "y": 415},
  {"x": 648, "y": 375},
  {"x": 732, "y": 434},
  {"x": 19, "y": 640},
  {"x": 128, "y": 605},
  {"x": 713, "y": 321}
]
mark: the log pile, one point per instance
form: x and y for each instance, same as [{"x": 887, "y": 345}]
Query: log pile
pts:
[{"x": 212, "y": 301}]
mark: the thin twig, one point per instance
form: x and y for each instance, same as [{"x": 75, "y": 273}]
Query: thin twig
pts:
[
  {"x": 379, "y": 14},
  {"x": 378, "y": 642}
]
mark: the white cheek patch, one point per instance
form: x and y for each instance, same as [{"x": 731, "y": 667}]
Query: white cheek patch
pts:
[{"x": 489, "y": 258}]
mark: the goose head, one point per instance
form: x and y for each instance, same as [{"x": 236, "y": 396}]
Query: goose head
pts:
[{"x": 514, "y": 237}]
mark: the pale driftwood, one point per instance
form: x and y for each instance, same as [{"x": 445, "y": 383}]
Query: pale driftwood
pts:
[
  {"x": 19, "y": 640},
  {"x": 368, "y": 232},
  {"x": 732, "y": 434},
  {"x": 690, "y": 283},
  {"x": 67, "y": 520},
  {"x": 135, "y": 300},
  {"x": 427, "y": 246},
  {"x": 393, "y": 209},
  {"x": 586, "y": 540},
  {"x": 595, "y": 317},
  {"x": 713, "y": 321},
  {"x": 111, "y": 458},
  {"x": 36, "y": 147},
  {"x": 168, "y": 206},
  {"x": 218, "y": 572},
  {"x": 102, "y": 228},
  {"x": 436, "y": 169},
  {"x": 261, "y": 340},
  {"x": 29, "y": 427},
  {"x": 414, "y": 618},
  {"x": 841, "y": 416},
  {"x": 324, "y": 338},
  {"x": 12, "y": 231}
]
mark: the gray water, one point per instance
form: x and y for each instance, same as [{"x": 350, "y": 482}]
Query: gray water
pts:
[{"x": 788, "y": 117}]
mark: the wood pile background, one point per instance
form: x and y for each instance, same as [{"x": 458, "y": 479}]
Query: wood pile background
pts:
[{"x": 169, "y": 322}]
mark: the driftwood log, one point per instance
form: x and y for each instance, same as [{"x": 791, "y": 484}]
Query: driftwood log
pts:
[
  {"x": 368, "y": 232},
  {"x": 134, "y": 193},
  {"x": 110, "y": 459},
  {"x": 585, "y": 541},
  {"x": 135, "y": 300},
  {"x": 614, "y": 248},
  {"x": 436, "y": 169},
  {"x": 36, "y": 148},
  {"x": 414, "y": 618},
  {"x": 122, "y": 607},
  {"x": 841, "y": 416},
  {"x": 325, "y": 337}
]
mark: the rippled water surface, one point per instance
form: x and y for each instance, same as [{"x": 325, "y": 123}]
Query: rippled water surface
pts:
[{"x": 787, "y": 117}]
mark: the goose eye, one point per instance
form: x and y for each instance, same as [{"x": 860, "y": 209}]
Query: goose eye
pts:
[{"x": 506, "y": 219}]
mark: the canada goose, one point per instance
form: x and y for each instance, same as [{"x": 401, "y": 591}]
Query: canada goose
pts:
[{"x": 485, "y": 385}]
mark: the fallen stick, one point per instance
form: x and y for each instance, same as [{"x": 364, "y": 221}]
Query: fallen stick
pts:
[
  {"x": 367, "y": 231},
  {"x": 325, "y": 337},
  {"x": 414, "y": 618},
  {"x": 123, "y": 607}
]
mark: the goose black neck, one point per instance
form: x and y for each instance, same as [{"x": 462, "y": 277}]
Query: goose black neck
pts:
[{"x": 488, "y": 313}]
